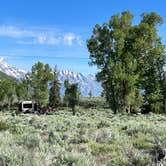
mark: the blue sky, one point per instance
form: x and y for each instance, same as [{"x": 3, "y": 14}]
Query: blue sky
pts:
[{"x": 55, "y": 31}]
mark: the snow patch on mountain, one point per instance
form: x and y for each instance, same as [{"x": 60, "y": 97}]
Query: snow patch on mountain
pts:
[
  {"x": 86, "y": 83},
  {"x": 10, "y": 70}
]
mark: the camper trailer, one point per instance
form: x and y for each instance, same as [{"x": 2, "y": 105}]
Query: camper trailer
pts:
[{"x": 28, "y": 106}]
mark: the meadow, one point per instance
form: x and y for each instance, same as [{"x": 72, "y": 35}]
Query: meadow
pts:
[{"x": 93, "y": 137}]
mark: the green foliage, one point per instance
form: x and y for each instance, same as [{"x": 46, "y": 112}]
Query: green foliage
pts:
[
  {"x": 4, "y": 76},
  {"x": 40, "y": 77},
  {"x": 72, "y": 95},
  {"x": 66, "y": 95},
  {"x": 7, "y": 91},
  {"x": 94, "y": 102},
  {"x": 24, "y": 88},
  {"x": 4, "y": 125},
  {"x": 90, "y": 94},
  {"x": 98, "y": 148},
  {"x": 92, "y": 137},
  {"x": 54, "y": 96},
  {"x": 130, "y": 58}
]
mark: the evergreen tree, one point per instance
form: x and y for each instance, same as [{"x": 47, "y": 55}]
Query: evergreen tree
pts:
[
  {"x": 71, "y": 95},
  {"x": 54, "y": 97},
  {"x": 7, "y": 91},
  {"x": 66, "y": 95},
  {"x": 2, "y": 93},
  {"x": 90, "y": 94},
  {"x": 24, "y": 88},
  {"x": 40, "y": 77}
]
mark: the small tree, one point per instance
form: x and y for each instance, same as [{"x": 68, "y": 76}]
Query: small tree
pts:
[
  {"x": 90, "y": 94},
  {"x": 72, "y": 95},
  {"x": 54, "y": 97},
  {"x": 2, "y": 93},
  {"x": 7, "y": 91}
]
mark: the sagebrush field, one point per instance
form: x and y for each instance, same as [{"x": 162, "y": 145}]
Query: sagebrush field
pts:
[{"x": 92, "y": 137}]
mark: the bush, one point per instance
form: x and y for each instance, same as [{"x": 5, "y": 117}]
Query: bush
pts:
[
  {"x": 4, "y": 125},
  {"x": 95, "y": 102}
]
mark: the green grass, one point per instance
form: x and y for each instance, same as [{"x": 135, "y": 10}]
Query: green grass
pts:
[{"x": 92, "y": 137}]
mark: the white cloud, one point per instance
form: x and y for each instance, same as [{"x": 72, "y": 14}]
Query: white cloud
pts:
[
  {"x": 68, "y": 38},
  {"x": 42, "y": 36}
]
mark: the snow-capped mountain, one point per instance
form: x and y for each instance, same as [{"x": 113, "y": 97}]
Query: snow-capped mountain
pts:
[
  {"x": 11, "y": 71},
  {"x": 86, "y": 83}
]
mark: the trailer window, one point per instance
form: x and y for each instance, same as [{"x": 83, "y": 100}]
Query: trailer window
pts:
[{"x": 27, "y": 105}]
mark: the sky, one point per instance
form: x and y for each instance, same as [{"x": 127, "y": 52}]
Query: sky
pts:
[{"x": 55, "y": 31}]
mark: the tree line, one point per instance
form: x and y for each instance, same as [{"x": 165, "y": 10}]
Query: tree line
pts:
[
  {"x": 40, "y": 85},
  {"x": 130, "y": 60}
]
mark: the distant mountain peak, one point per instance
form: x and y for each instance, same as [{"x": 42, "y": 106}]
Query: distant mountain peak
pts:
[
  {"x": 10, "y": 70},
  {"x": 86, "y": 83}
]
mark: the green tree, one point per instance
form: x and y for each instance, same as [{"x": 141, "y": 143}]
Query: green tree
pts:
[
  {"x": 90, "y": 94},
  {"x": 40, "y": 77},
  {"x": 72, "y": 95},
  {"x": 150, "y": 55},
  {"x": 54, "y": 97},
  {"x": 129, "y": 58},
  {"x": 24, "y": 88},
  {"x": 164, "y": 92},
  {"x": 2, "y": 93},
  {"x": 109, "y": 48},
  {"x": 7, "y": 91},
  {"x": 66, "y": 95}
]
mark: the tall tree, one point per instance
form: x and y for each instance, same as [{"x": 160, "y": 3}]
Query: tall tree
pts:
[
  {"x": 124, "y": 54},
  {"x": 66, "y": 95},
  {"x": 150, "y": 55},
  {"x": 54, "y": 97},
  {"x": 40, "y": 77}
]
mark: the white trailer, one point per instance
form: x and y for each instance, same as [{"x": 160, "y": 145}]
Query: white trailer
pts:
[{"x": 28, "y": 106}]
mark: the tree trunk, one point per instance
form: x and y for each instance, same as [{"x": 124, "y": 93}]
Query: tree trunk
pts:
[
  {"x": 8, "y": 105},
  {"x": 114, "y": 107},
  {"x": 73, "y": 110},
  {"x": 164, "y": 105}
]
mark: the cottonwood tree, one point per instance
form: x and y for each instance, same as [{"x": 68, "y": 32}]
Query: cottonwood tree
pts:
[
  {"x": 127, "y": 56},
  {"x": 150, "y": 55},
  {"x": 54, "y": 96}
]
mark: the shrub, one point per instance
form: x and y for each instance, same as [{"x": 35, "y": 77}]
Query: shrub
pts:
[{"x": 4, "y": 125}]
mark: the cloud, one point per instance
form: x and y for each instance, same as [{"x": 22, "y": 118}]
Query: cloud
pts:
[
  {"x": 70, "y": 38},
  {"x": 40, "y": 36}
]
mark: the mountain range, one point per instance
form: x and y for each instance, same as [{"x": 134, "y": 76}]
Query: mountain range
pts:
[{"x": 86, "y": 83}]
